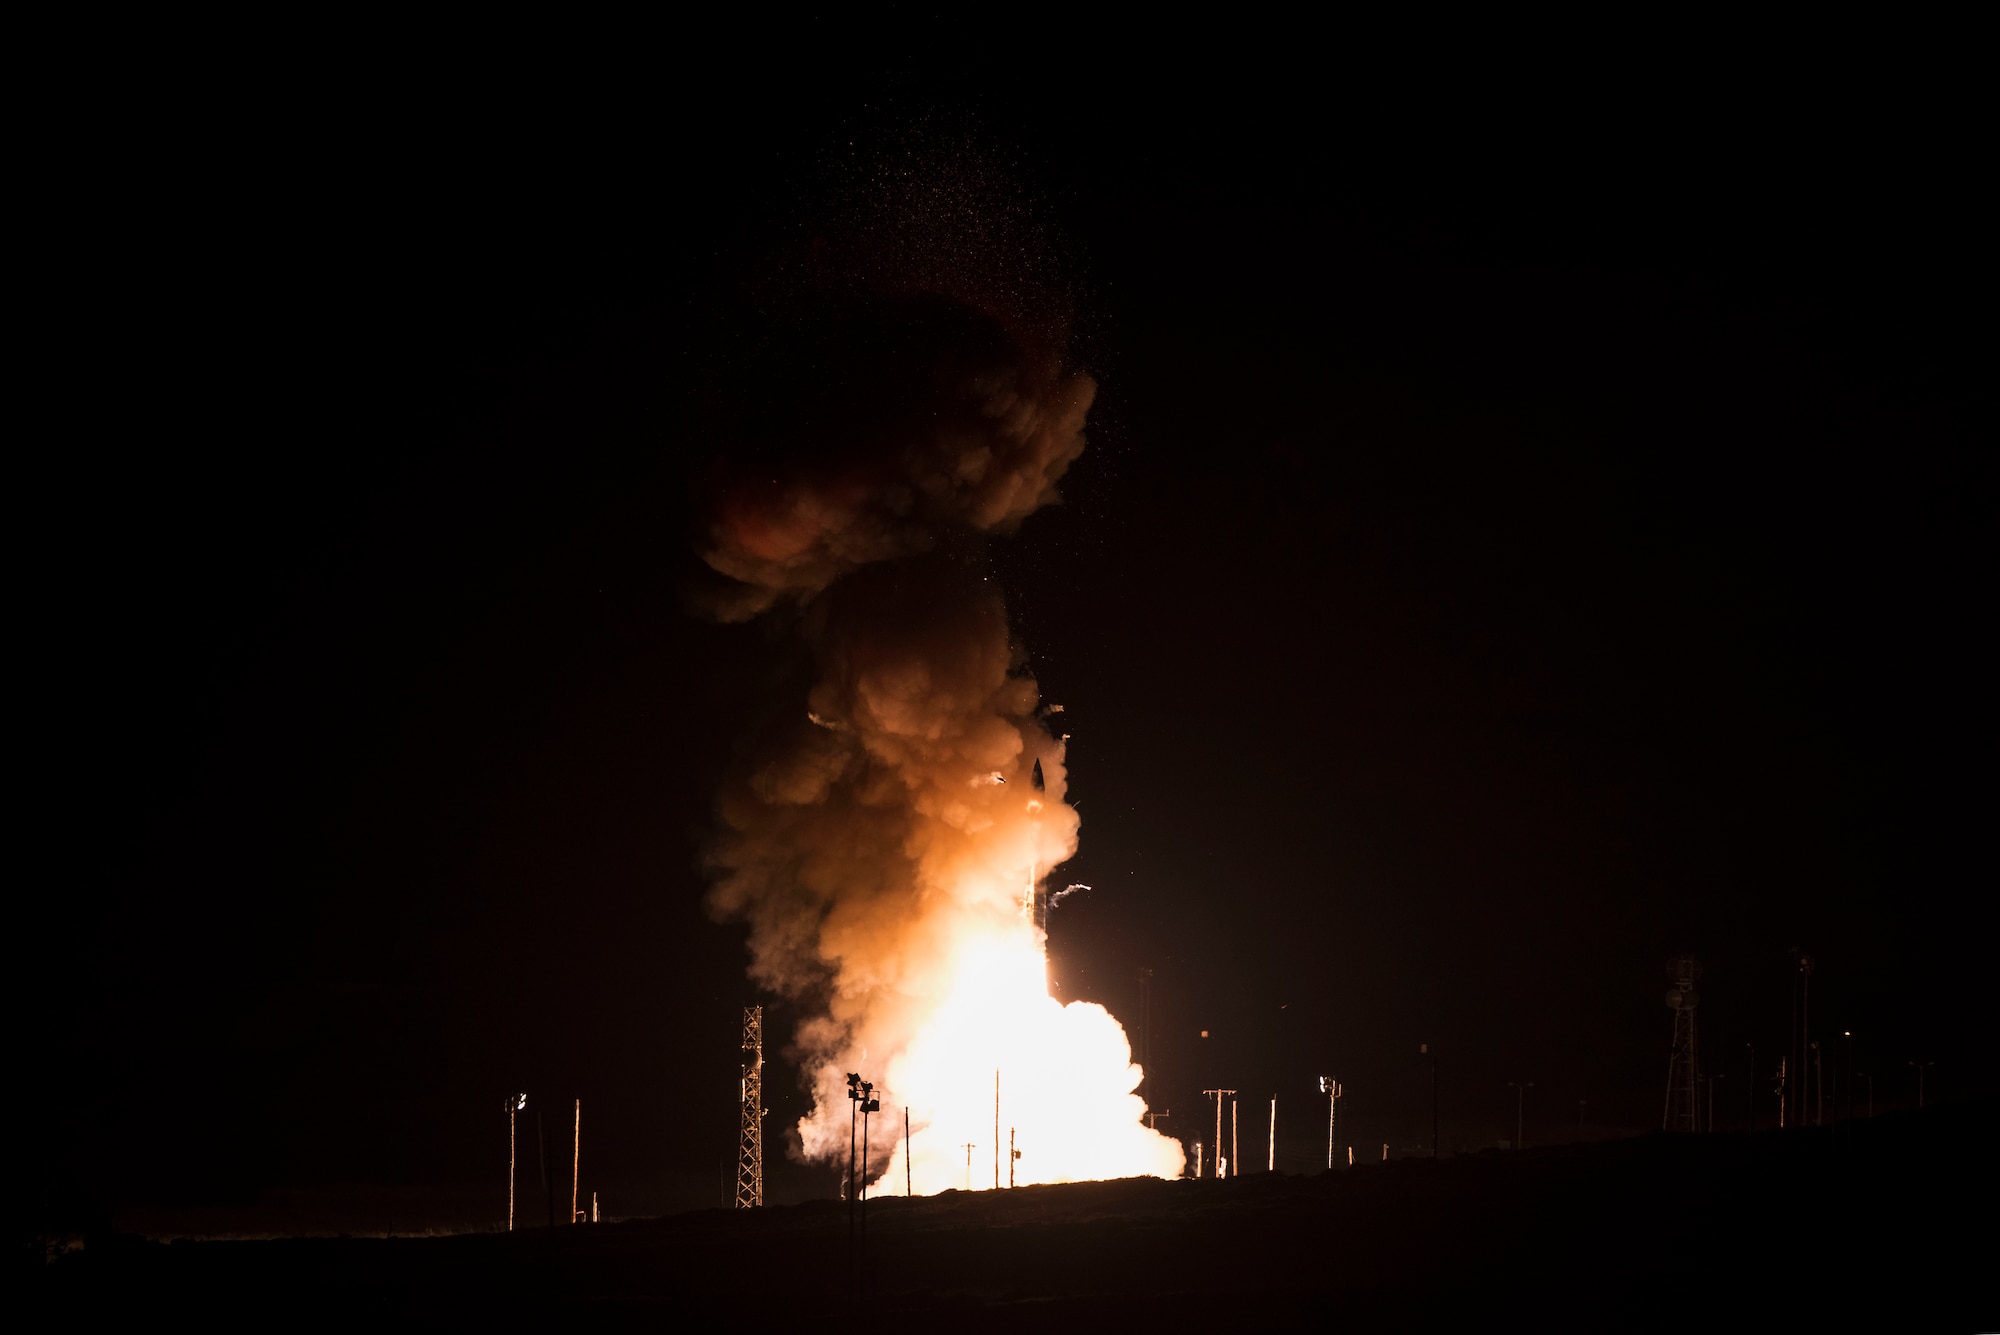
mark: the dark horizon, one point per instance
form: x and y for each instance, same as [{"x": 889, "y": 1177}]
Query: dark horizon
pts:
[{"x": 1502, "y": 561}]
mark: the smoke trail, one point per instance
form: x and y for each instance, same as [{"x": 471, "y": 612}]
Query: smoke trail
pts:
[{"x": 885, "y": 846}]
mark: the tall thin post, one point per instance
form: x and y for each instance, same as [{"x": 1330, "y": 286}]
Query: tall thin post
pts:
[
  {"x": 1849, "y": 1036},
  {"x": 1331, "y": 1088},
  {"x": 996, "y": 1128},
  {"x": 515, "y": 1102},
  {"x": 542, "y": 1136},
  {"x": 1146, "y": 1032},
  {"x": 1520, "y": 1090},
  {"x": 1271, "y": 1158},
  {"x": 969, "y": 1148},
  {"x": 1235, "y": 1150},
  {"x": 1750, "y": 1090},
  {"x": 1819, "y": 1087},
  {"x": 867, "y": 1106},
  {"x": 575, "y": 1159},
  {"x": 1218, "y": 1095},
  {"x": 908, "y": 1189},
  {"x": 1013, "y": 1157},
  {"x": 853, "y": 1149},
  {"x": 1805, "y": 1033},
  {"x": 1424, "y": 1049}
]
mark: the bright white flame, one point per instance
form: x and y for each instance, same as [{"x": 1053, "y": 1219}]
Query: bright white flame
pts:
[{"x": 1066, "y": 1081}]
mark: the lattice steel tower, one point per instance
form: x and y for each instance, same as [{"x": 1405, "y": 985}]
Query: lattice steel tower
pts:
[
  {"x": 750, "y": 1132},
  {"x": 1683, "y": 1108}
]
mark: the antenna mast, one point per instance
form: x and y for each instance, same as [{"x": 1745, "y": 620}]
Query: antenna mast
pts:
[
  {"x": 1683, "y": 1107},
  {"x": 750, "y": 1124}
]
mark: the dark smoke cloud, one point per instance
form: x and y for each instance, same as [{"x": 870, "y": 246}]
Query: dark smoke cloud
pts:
[{"x": 898, "y": 397}]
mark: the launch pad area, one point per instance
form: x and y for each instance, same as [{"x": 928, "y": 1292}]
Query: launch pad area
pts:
[{"x": 1872, "y": 1220}]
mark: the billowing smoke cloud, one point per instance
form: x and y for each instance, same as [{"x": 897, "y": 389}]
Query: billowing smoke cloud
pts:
[
  {"x": 978, "y": 448},
  {"x": 885, "y": 847}
]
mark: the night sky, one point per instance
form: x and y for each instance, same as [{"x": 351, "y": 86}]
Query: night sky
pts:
[{"x": 1523, "y": 537}]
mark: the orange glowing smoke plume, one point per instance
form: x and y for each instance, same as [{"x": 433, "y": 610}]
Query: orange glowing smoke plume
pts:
[{"x": 883, "y": 847}]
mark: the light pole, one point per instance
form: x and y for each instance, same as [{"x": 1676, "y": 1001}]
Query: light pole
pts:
[
  {"x": 1848, "y": 1034},
  {"x": 1750, "y": 1088},
  {"x": 869, "y": 1104},
  {"x": 1424, "y": 1050},
  {"x": 1921, "y": 1068},
  {"x": 515, "y": 1102},
  {"x": 1331, "y": 1088},
  {"x": 1218, "y": 1095},
  {"x": 1146, "y": 1032},
  {"x": 1819, "y": 1087},
  {"x": 1520, "y": 1090},
  {"x": 855, "y": 1098}
]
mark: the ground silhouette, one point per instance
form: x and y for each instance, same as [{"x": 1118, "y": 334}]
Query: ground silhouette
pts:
[{"x": 1864, "y": 1222}]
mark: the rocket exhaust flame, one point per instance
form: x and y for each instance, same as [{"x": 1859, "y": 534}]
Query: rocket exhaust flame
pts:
[{"x": 887, "y": 849}]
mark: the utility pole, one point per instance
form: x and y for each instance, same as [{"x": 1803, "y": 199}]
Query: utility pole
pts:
[
  {"x": 1331, "y": 1088},
  {"x": 1921, "y": 1068},
  {"x": 854, "y": 1100},
  {"x": 908, "y": 1189},
  {"x": 869, "y": 1104},
  {"x": 1424, "y": 1049},
  {"x": 996, "y": 1128},
  {"x": 1750, "y": 1090},
  {"x": 969, "y": 1148},
  {"x": 515, "y": 1102},
  {"x": 1271, "y": 1159},
  {"x": 1013, "y": 1157},
  {"x": 1848, "y": 1034},
  {"x": 1218, "y": 1095},
  {"x": 1234, "y": 1150},
  {"x": 1805, "y": 1033},
  {"x": 1819, "y": 1087},
  {"x": 1519, "y": 1091},
  {"x": 575, "y": 1159},
  {"x": 542, "y": 1139},
  {"x": 1146, "y": 1034},
  {"x": 1793, "y": 1102}
]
